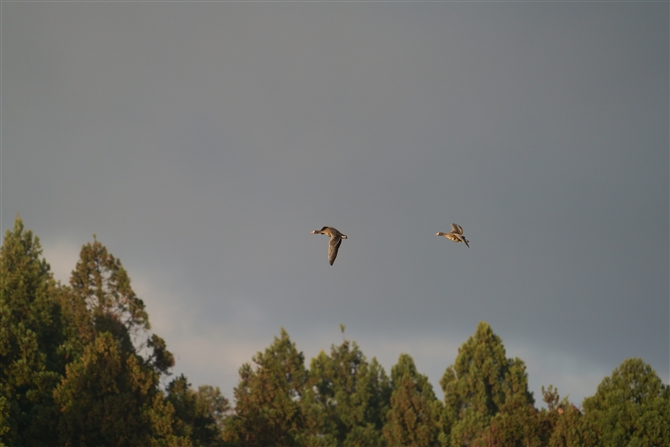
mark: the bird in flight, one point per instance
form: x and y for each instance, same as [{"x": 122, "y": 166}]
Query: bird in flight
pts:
[
  {"x": 456, "y": 234},
  {"x": 335, "y": 241}
]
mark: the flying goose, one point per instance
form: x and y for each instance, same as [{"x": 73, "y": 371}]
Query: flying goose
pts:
[
  {"x": 335, "y": 241},
  {"x": 456, "y": 234}
]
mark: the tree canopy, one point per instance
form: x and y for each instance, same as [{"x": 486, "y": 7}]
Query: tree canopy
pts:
[
  {"x": 414, "y": 415},
  {"x": 80, "y": 367},
  {"x": 631, "y": 407}
]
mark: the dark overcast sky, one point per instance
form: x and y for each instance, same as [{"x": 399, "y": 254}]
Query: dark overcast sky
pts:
[{"x": 202, "y": 142}]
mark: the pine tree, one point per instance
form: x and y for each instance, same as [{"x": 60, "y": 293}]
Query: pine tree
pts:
[
  {"x": 218, "y": 407},
  {"x": 110, "y": 393},
  {"x": 101, "y": 282},
  {"x": 101, "y": 300},
  {"x": 30, "y": 336},
  {"x": 267, "y": 407},
  {"x": 413, "y": 418},
  {"x": 346, "y": 398},
  {"x": 4, "y": 419},
  {"x": 70, "y": 372},
  {"x": 630, "y": 408},
  {"x": 561, "y": 423},
  {"x": 482, "y": 383},
  {"x": 198, "y": 414},
  {"x": 110, "y": 397},
  {"x": 517, "y": 423}
]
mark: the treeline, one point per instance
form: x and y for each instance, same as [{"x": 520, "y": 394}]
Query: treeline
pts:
[{"x": 79, "y": 366}]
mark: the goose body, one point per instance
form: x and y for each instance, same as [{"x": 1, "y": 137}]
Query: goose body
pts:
[
  {"x": 456, "y": 234},
  {"x": 335, "y": 241}
]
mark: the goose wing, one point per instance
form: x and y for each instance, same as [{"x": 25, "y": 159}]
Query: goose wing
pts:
[
  {"x": 456, "y": 229},
  {"x": 333, "y": 247}
]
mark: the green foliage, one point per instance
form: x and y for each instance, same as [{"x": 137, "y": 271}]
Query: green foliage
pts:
[
  {"x": 517, "y": 423},
  {"x": 570, "y": 429},
  {"x": 345, "y": 398},
  {"x": 4, "y": 418},
  {"x": 267, "y": 411},
  {"x": 30, "y": 335},
  {"x": 101, "y": 282},
  {"x": 78, "y": 367},
  {"x": 109, "y": 397},
  {"x": 630, "y": 408},
  {"x": 515, "y": 426},
  {"x": 110, "y": 394},
  {"x": 199, "y": 415},
  {"x": 217, "y": 405},
  {"x": 561, "y": 423},
  {"x": 103, "y": 301},
  {"x": 70, "y": 374},
  {"x": 160, "y": 358},
  {"x": 414, "y": 416},
  {"x": 482, "y": 383}
]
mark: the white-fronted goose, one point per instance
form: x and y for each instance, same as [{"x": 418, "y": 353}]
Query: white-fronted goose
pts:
[
  {"x": 335, "y": 241},
  {"x": 456, "y": 234}
]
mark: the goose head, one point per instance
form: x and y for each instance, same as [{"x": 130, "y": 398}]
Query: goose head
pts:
[{"x": 319, "y": 231}]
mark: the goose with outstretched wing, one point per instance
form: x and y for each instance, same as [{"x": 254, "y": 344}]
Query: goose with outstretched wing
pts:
[{"x": 335, "y": 241}]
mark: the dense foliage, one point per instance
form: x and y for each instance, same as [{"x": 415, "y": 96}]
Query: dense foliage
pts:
[{"x": 80, "y": 367}]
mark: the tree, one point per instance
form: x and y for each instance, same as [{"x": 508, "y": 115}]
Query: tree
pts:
[
  {"x": 267, "y": 408},
  {"x": 345, "y": 398},
  {"x": 4, "y": 419},
  {"x": 30, "y": 337},
  {"x": 102, "y": 300},
  {"x": 630, "y": 408},
  {"x": 517, "y": 423},
  {"x": 70, "y": 372},
  {"x": 481, "y": 383},
  {"x": 109, "y": 397},
  {"x": 218, "y": 407},
  {"x": 198, "y": 415},
  {"x": 561, "y": 423},
  {"x": 413, "y": 419},
  {"x": 110, "y": 393},
  {"x": 101, "y": 282}
]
